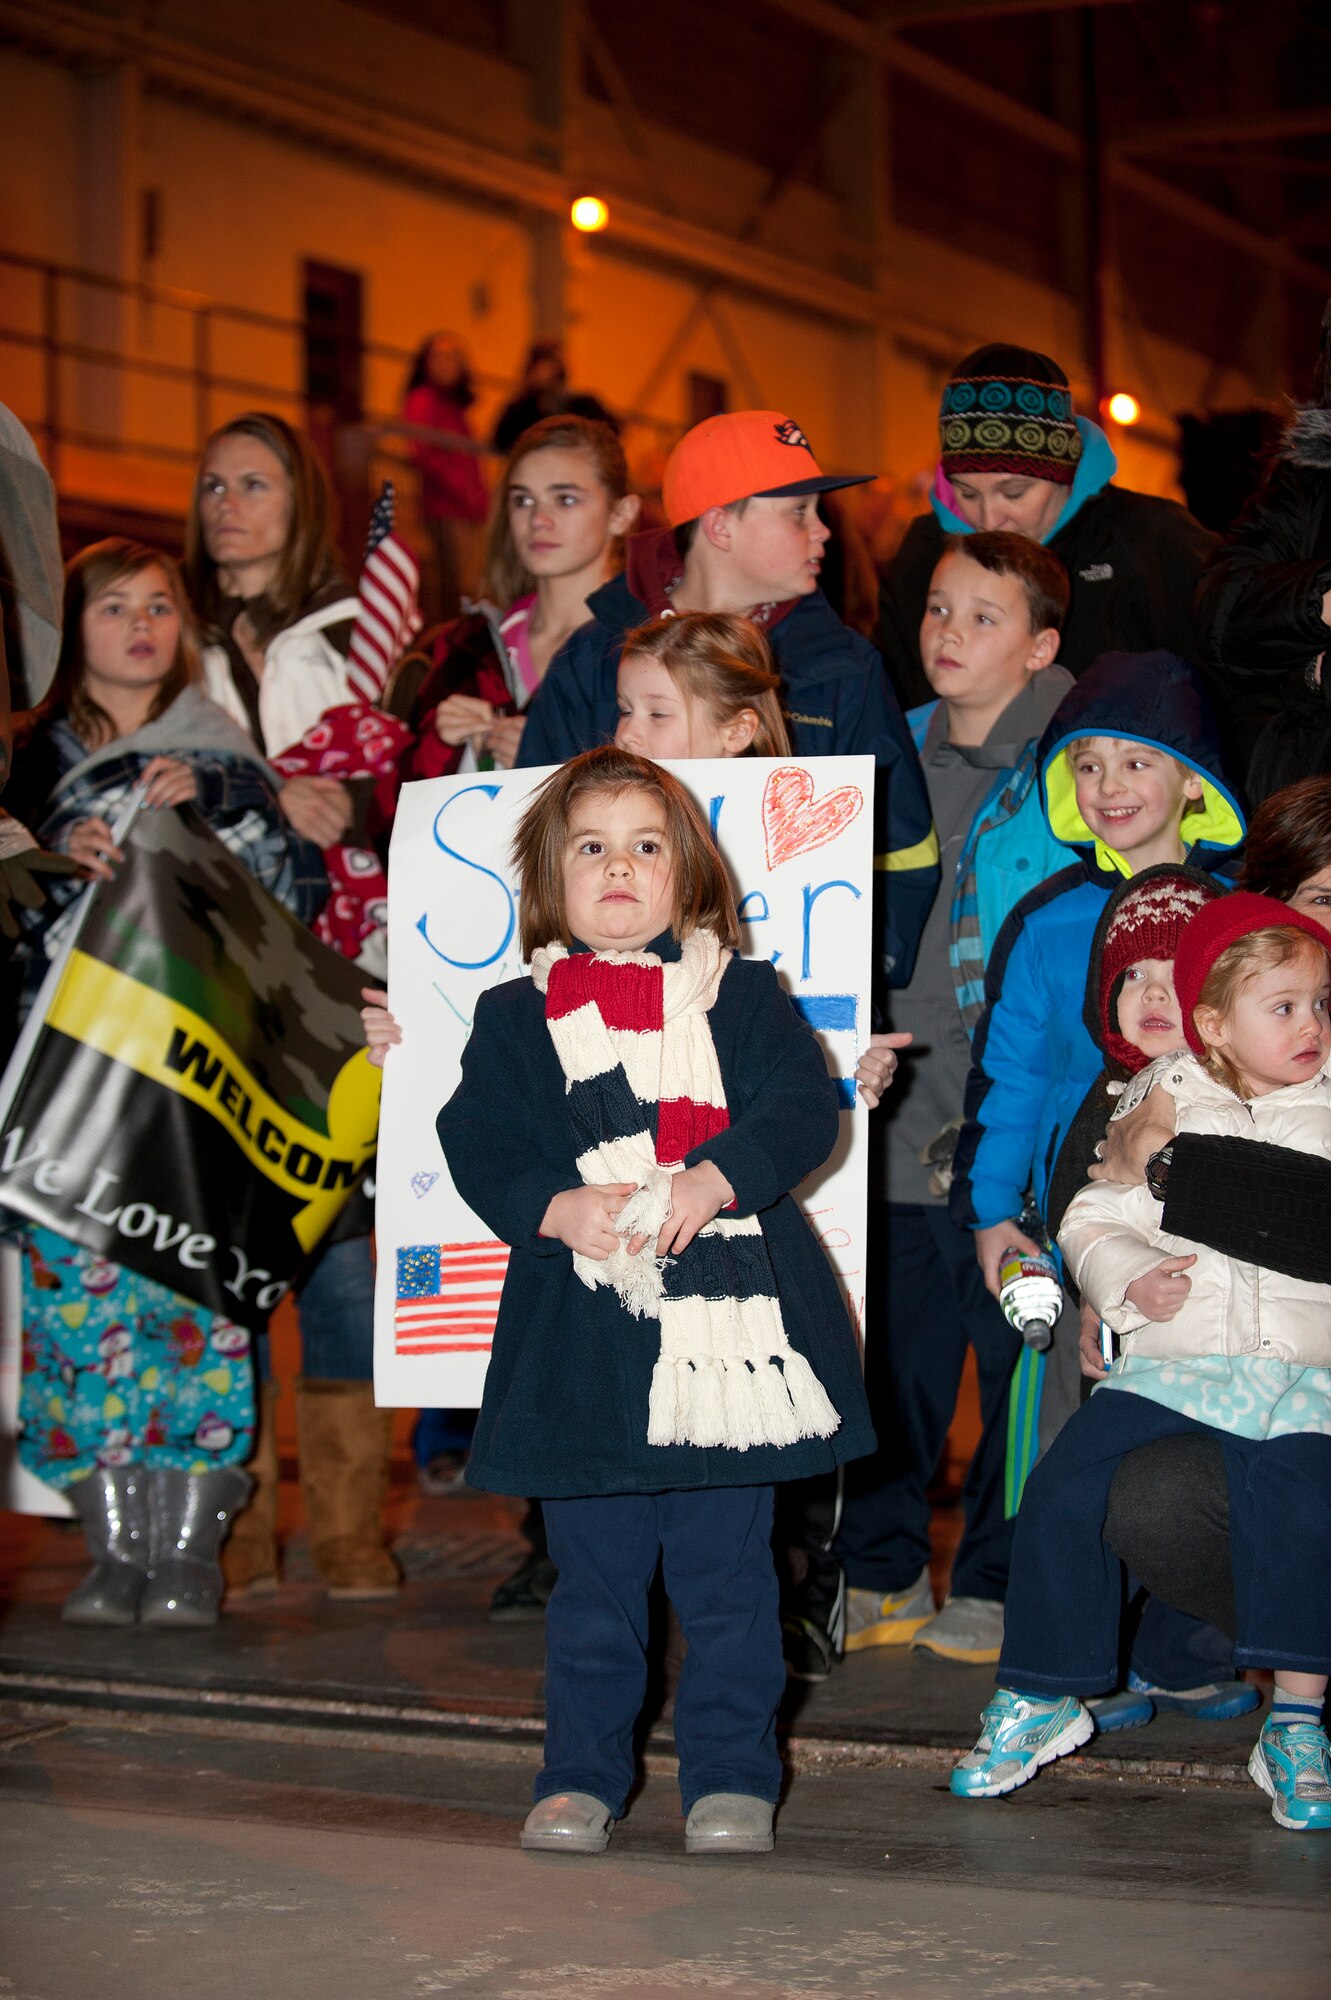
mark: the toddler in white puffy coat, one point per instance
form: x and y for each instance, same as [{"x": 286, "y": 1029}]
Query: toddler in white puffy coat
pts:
[{"x": 1238, "y": 1352}]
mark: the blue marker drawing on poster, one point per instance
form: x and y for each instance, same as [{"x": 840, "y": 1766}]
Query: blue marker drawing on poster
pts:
[
  {"x": 510, "y": 915},
  {"x": 833, "y": 1013},
  {"x": 811, "y": 896}
]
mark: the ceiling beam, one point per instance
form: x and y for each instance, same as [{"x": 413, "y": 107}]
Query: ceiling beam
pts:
[
  {"x": 318, "y": 115},
  {"x": 875, "y": 42},
  {"x": 1309, "y": 122},
  {"x": 928, "y": 13}
]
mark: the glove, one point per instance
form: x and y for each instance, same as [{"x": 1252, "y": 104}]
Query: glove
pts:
[{"x": 21, "y": 863}]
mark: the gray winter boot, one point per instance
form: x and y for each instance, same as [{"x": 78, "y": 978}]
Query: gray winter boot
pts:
[
  {"x": 112, "y": 1505},
  {"x": 189, "y": 1514}
]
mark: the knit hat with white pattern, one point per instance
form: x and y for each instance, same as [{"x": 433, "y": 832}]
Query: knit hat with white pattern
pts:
[{"x": 1146, "y": 920}]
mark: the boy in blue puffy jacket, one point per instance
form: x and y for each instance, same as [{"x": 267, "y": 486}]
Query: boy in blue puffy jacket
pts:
[
  {"x": 1131, "y": 775},
  {"x": 989, "y": 637}
]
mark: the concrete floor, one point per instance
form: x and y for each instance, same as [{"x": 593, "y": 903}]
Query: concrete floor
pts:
[
  {"x": 322, "y": 1803},
  {"x": 156, "y": 1864},
  {"x": 430, "y": 1662}
]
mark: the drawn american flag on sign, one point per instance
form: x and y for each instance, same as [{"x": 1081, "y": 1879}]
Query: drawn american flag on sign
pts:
[
  {"x": 389, "y": 618},
  {"x": 447, "y": 1297}
]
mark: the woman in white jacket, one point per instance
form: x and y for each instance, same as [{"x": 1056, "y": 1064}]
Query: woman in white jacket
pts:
[
  {"x": 277, "y": 616},
  {"x": 276, "y": 611},
  {"x": 1210, "y": 1346}
]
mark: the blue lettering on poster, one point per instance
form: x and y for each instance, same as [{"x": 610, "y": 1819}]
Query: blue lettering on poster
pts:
[
  {"x": 505, "y": 914},
  {"x": 828, "y": 1013},
  {"x": 811, "y": 896}
]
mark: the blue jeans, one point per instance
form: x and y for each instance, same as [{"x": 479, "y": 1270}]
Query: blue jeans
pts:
[
  {"x": 1172, "y": 1650},
  {"x": 1065, "y": 1593},
  {"x": 716, "y": 1548},
  {"x": 928, "y": 1305},
  {"x": 335, "y": 1305},
  {"x": 437, "y": 1432}
]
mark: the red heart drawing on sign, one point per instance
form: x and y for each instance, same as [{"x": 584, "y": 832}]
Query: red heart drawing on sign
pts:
[{"x": 794, "y": 823}]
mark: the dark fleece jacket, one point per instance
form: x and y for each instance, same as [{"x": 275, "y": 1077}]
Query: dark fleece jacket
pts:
[
  {"x": 1259, "y": 599},
  {"x": 1132, "y": 560}
]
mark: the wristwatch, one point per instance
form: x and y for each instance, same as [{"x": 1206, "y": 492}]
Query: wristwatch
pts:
[{"x": 1157, "y": 1170}]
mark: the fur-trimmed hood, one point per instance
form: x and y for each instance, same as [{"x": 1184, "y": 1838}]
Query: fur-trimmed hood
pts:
[{"x": 1307, "y": 438}]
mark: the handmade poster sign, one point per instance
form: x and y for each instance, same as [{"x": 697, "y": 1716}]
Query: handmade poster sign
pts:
[{"x": 798, "y": 840}]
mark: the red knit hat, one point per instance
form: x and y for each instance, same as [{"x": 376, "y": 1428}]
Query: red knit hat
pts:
[
  {"x": 1147, "y": 919},
  {"x": 1220, "y": 925}
]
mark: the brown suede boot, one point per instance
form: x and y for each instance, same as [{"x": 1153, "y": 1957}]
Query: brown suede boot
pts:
[
  {"x": 249, "y": 1554},
  {"x": 344, "y": 1450}
]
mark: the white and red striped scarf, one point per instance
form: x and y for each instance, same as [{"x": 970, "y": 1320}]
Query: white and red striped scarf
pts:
[{"x": 644, "y": 1088}]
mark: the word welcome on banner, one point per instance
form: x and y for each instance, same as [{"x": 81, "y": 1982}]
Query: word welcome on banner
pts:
[
  {"x": 798, "y": 841},
  {"x": 191, "y": 1097}
]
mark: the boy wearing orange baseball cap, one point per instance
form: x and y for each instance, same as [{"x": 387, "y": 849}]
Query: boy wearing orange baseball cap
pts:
[{"x": 741, "y": 496}]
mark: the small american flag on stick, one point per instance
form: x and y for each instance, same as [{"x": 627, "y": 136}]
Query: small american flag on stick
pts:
[{"x": 389, "y": 617}]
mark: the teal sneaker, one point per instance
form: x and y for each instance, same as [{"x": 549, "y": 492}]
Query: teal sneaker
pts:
[
  {"x": 1292, "y": 1764},
  {"x": 1130, "y": 1708},
  {"x": 1213, "y": 1701},
  {"x": 1018, "y": 1733}
]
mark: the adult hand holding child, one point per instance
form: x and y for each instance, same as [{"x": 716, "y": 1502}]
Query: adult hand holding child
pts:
[{"x": 1131, "y": 1139}]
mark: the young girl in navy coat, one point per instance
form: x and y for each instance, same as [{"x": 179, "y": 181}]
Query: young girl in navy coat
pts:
[{"x": 632, "y": 1119}]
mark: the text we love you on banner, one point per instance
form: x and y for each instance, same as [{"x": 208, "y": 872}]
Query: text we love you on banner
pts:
[{"x": 798, "y": 840}]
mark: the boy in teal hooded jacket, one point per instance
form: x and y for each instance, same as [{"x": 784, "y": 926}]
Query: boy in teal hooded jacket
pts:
[{"x": 1131, "y": 772}]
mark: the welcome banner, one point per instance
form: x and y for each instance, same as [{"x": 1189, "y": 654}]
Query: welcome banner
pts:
[
  {"x": 193, "y": 1098},
  {"x": 798, "y": 841}
]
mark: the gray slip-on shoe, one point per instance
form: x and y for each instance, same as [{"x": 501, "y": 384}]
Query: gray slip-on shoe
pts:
[
  {"x": 568, "y": 1823},
  {"x": 729, "y": 1823},
  {"x": 969, "y": 1629}
]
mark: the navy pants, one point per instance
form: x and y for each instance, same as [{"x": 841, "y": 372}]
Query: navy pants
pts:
[
  {"x": 1065, "y": 1595},
  {"x": 928, "y": 1306},
  {"x": 335, "y": 1305},
  {"x": 715, "y": 1546}
]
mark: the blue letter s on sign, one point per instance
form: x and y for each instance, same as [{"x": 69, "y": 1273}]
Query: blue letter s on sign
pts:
[{"x": 506, "y": 915}]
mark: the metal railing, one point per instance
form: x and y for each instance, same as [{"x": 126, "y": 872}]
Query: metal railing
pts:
[
  {"x": 58, "y": 326},
  {"x": 66, "y": 295}
]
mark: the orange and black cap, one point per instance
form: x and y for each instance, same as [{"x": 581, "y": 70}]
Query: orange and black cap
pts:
[{"x": 744, "y": 455}]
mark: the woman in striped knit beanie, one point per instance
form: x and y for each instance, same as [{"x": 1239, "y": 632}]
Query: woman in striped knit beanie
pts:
[{"x": 632, "y": 1119}]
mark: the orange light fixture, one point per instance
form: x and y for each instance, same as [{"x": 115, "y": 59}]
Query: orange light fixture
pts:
[
  {"x": 589, "y": 213},
  {"x": 1123, "y": 408}
]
